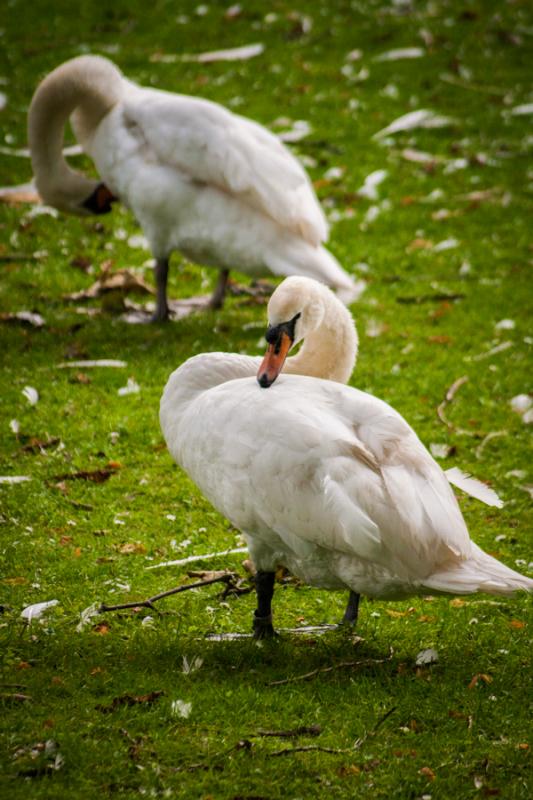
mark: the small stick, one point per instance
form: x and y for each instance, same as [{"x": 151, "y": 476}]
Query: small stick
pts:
[
  {"x": 341, "y": 665},
  {"x": 287, "y": 751},
  {"x": 360, "y": 742},
  {"x": 149, "y": 603},
  {"x": 312, "y": 730},
  {"x": 448, "y": 398}
]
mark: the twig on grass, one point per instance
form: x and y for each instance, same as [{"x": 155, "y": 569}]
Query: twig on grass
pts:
[
  {"x": 341, "y": 665},
  {"x": 448, "y": 398},
  {"x": 356, "y": 746},
  {"x": 229, "y": 578},
  {"x": 287, "y": 751},
  {"x": 304, "y": 730}
]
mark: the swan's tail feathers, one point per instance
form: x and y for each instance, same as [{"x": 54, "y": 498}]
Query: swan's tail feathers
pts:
[
  {"x": 479, "y": 573},
  {"x": 473, "y": 487},
  {"x": 87, "y": 87},
  {"x": 318, "y": 263}
]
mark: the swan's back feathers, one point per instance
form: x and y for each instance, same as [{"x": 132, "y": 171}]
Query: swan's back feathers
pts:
[
  {"x": 327, "y": 464},
  {"x": 218, "y": 148}
]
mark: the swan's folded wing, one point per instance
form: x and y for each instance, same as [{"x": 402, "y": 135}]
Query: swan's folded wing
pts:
[
  {"x": 213, "y": 146},
  {"x": 420, "y": 520}
]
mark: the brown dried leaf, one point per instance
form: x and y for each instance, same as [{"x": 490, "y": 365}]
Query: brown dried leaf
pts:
[
  {"x": 130, "y": 700},
  {"x": 122, "y": 281},
  {"x": 95, "y": 476},
  {"x": 102, "y": 628},
  {"x": 132, "y": 547},
  {"x": 517, "y": 624},
  {"x": 481, "y": 676},
  {"x": 36, "y": 445},
  {"x": 419, "y": 244},
  {"x": 349, "y": 770},
  {"x": 428, "y": 773},
  {"x": 393, "y": 613},
  {"x": 458, "y": 603}
]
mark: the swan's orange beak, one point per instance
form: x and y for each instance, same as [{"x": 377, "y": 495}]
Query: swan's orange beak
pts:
[{"x": 273, "y": 361}]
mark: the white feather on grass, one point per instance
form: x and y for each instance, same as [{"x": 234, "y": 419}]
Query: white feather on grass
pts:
[{"x": 473, "y": 487}]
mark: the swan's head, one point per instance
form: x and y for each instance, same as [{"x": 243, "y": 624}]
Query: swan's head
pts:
[{"x": 295, "y": 310}]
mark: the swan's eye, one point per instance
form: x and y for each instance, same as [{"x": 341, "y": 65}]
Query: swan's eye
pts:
[{"x": 274, "y": 332}]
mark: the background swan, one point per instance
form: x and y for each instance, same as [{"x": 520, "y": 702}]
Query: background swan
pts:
[
  {"x": 321, "y": 477},
  {"x": 220, "y": 188}
]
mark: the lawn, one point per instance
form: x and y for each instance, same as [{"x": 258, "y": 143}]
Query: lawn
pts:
[{"x": 139, "y": 702}]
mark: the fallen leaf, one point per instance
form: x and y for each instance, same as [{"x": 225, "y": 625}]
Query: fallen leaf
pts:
[
  {"x": 350, "y": 769},
  {"x": 398, "y": 614},
  {"x": 428, "y": 773},
  {"x": 102, "y": 628},
  {"x": 122, "y": 281},
  {"x": 130, "y": 700},
  {"x": 457, "y": 602},
  {"x": 419, "y": 244},
  {"x": 132, "y": 547},
  {"x": 517, "y": 624},
  {"x": 479, "y": 677},
  {"x": 19, "y": 581},
  {"x": 95, "y": 476},
  {"x": 440, "y": 339},
  {"x": 36, "y": 445},
  {"x": 426, "y": 618}
]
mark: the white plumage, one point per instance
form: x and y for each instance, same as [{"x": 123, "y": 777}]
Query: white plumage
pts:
[
  {"x": 216, "y": 186},
  {"x": 321, "y": 477}
]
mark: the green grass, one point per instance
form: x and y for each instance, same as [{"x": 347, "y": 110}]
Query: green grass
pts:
[{"x": 68, "y": 544}]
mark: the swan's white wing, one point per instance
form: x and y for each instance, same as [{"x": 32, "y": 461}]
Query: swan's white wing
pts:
[
  {"x": 213, "y": 146},
  {"x": 321, "y": 463}
]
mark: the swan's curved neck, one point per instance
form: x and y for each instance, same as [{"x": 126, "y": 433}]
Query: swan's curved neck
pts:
[
  {"x": 329, "y": 351},
  {"x": 88, "y": 83}
]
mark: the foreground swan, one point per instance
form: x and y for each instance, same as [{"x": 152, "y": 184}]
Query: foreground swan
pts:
[
  {"x": 320, "y": 477},
  {"x": 218, "y": 187}
]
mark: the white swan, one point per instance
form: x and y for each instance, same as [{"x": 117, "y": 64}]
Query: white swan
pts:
[
  {"x": 321, "y": 477},
  {"x": 220, "y": 188}
]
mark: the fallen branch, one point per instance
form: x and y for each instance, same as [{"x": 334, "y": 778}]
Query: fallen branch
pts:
[
  {"x": 341, "y": 665},
  {"x": 287, "y": 751},
  {"x": 448, "y": 398},
  {"x": 304, "y": 730},
  {"x": 439, "y": 297},
  {"x": 228, "y": 578},
  {"x": 356, "y": 746}
]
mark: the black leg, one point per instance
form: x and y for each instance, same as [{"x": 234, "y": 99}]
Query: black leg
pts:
[
  {"x": 161, "y": 276},
  {"x": 217, "y": 300},
  {"x": 350, "y": 615},
  {"x": 264, "y": 587}
]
